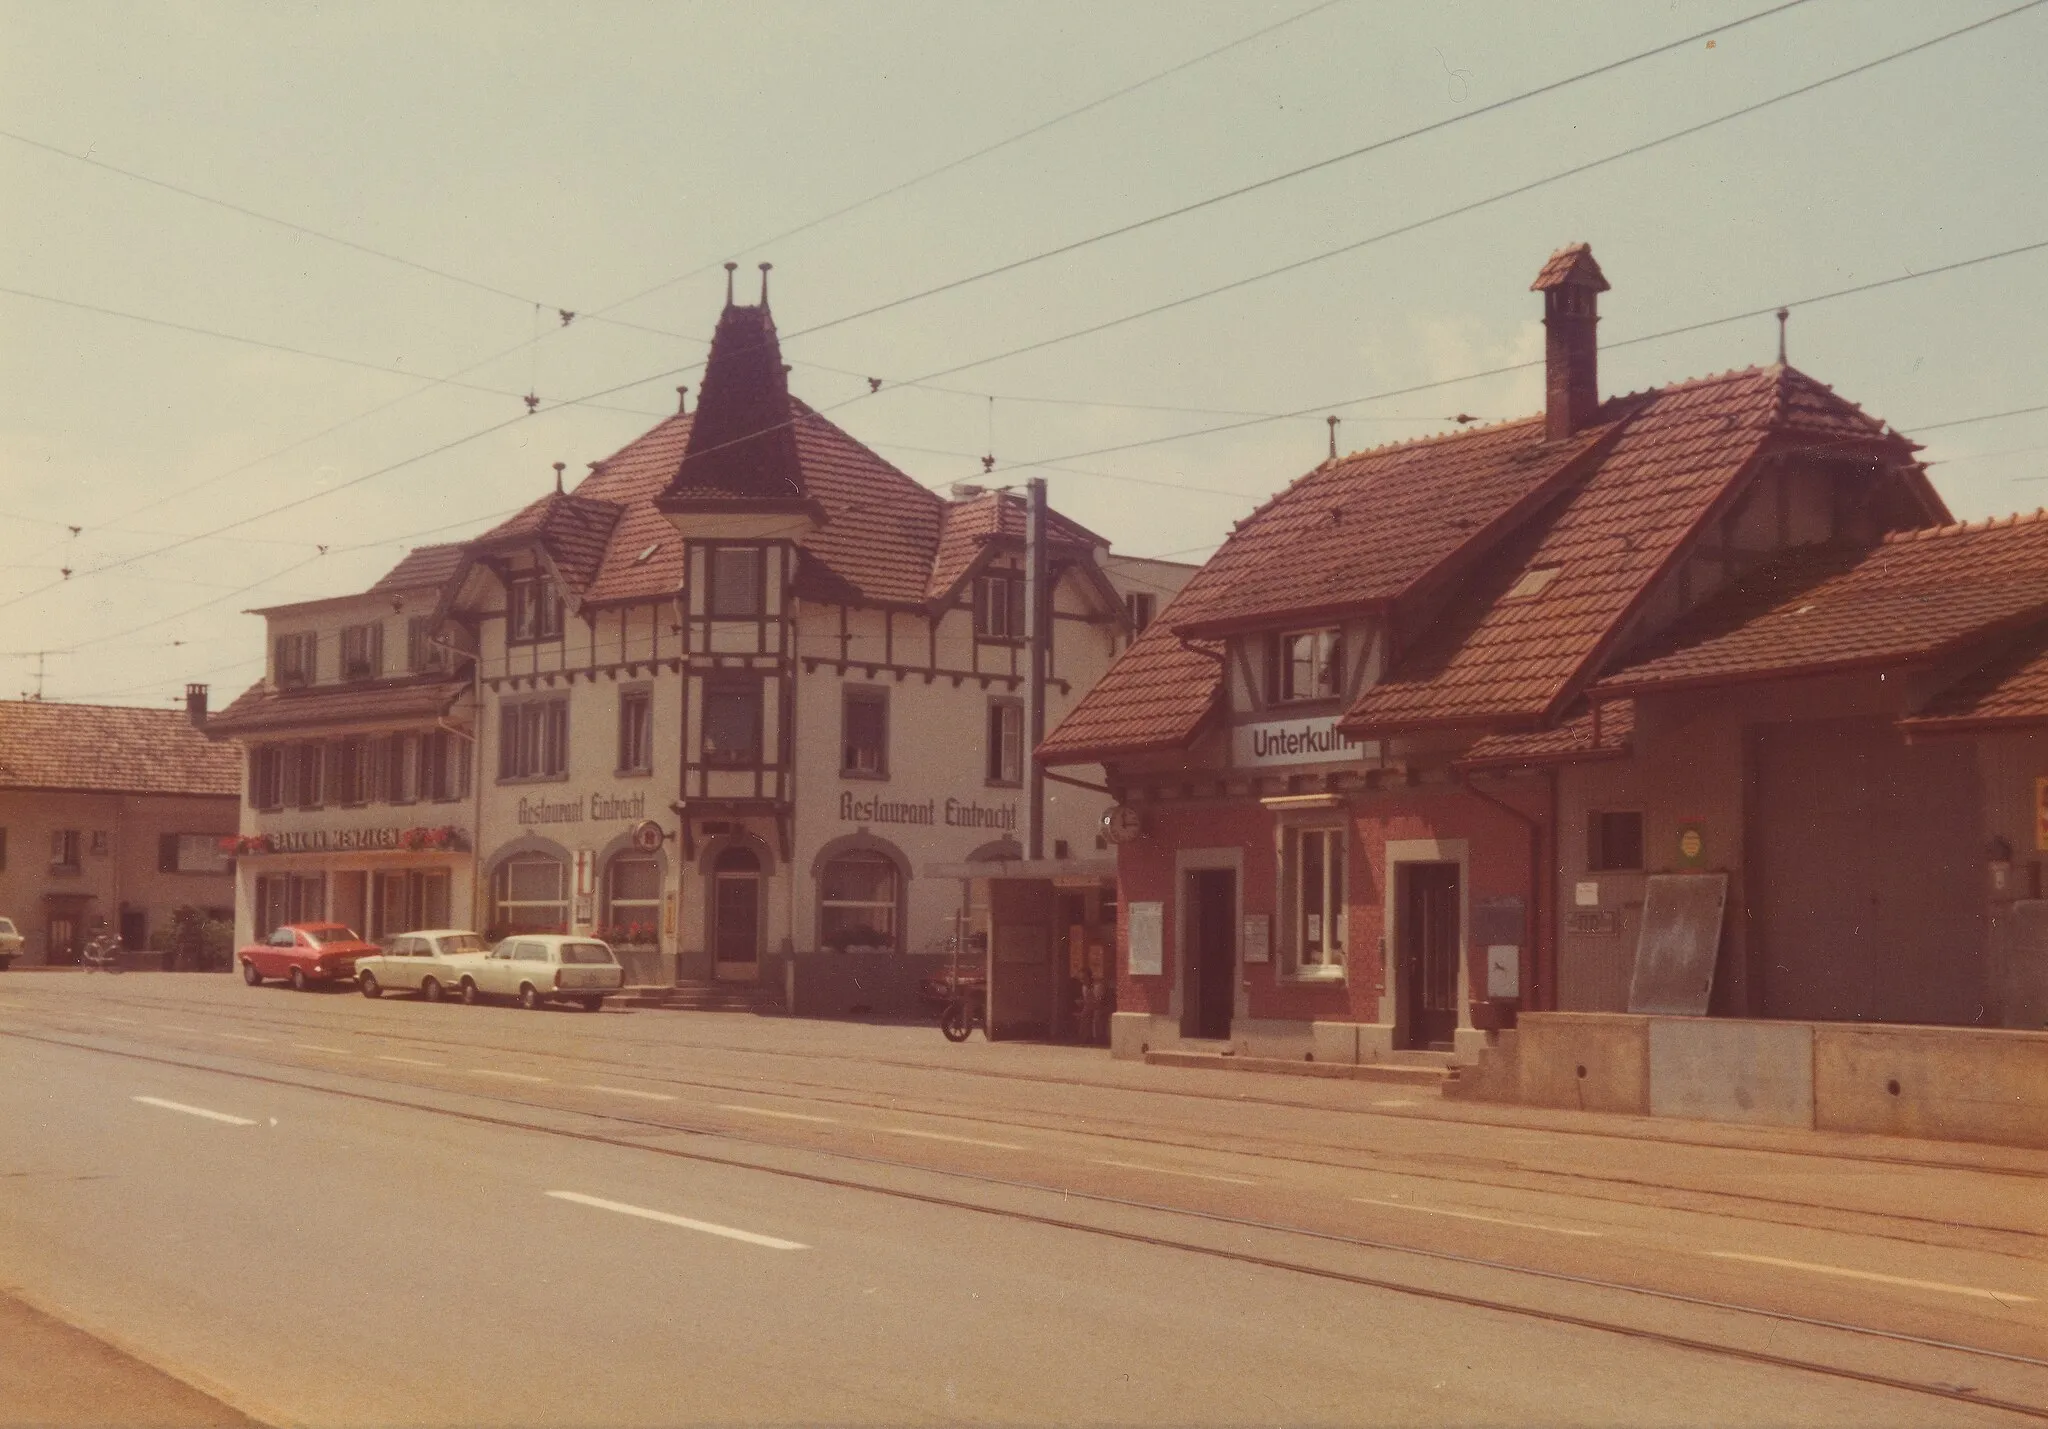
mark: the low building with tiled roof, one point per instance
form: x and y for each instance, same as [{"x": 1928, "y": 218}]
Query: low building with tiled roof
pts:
[
  {"x": 1402, "y": 752},
  {"x": 109, "y": 812},
  {"x": 729, "y": 696}
]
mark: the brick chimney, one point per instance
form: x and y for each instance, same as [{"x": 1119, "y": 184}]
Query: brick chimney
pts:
[
  {"x": 1571, "y": 284},
  {"x": 195, "y": 705}
]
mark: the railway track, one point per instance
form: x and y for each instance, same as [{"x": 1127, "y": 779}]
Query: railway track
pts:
[
  {"x": 628, "y": 1132},
  {"x": 1438, "y": 1168}
]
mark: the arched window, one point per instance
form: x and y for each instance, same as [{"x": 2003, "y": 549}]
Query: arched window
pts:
[
  {"x": 530, "y": 894},
  {"x": 857, "y": 902},
  {"x": 632, "y": 901}
]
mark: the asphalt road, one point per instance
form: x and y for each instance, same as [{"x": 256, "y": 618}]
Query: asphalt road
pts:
[{"x": 330, "y": 1210}]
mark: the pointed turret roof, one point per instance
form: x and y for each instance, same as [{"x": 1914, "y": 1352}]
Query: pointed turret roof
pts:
[{"x": 742, "y": 448}]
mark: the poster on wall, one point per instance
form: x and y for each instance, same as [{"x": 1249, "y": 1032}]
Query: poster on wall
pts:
[
  {"x": 1147, "y": 926},
  {"x": 1258, "y": 937}
]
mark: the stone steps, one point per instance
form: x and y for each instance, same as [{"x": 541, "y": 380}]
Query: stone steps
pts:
[
  {"x": 1415, "y": 1069},
  {"x": 761, "y": 999}
]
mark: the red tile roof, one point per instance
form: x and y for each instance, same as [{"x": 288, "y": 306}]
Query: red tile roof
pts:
[
  {"x": 420, "y": 567},
  {"x": 1470, "y": 514},
  {"x": 1917, "y": 596},
  {"x": 1373, "y": 527},
  {"x": 1572, "y": 263},
  {"x": 1571, "y": 741},
  {"x": 262, "y": 710},
  {"x": 2010, "y": 692},
  {"x": 112, "y": 749},
  {"x": 968, "y": 527},
  {"x": 574, "y": 529},
  {"x": 1681, "y": 453}
]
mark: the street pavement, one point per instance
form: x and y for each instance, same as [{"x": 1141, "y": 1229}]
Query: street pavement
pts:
[{"x": 322, "y": 1209}]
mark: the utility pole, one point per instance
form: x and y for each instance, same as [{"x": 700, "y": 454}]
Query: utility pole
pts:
[{"x": 1037, "y": 643}]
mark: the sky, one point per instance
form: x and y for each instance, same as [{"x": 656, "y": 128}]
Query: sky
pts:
[{"x": 277, "y": 277}]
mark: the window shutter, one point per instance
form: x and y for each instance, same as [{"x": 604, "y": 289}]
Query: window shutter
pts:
[
  {"x": 375, "y": 653},
  {"x": 1016, "y": 599},
  {"x": 508, "y": 739},
  {"x": 166, "y": 853}
]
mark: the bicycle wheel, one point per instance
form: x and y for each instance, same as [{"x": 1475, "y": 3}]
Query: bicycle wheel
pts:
[{"x": 955, "y": 1022}]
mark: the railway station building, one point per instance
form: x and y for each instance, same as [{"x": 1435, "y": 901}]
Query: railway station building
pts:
[{"x": 1414, "y": 752}]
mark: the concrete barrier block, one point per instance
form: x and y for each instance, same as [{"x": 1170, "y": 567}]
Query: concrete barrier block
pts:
[
  {"x": 1589, "y": 1061},
  {"x": 1129, "y": 1033},
  {"x": 1334, "y": 1041},
  {"x": 1713, "y": 1069},
  {"x": 1948, "y": 1083}
]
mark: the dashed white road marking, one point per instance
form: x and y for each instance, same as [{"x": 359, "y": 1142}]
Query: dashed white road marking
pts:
[
  {"x": 408, "y": 1061},
  {"x": 628, "y": 1092},
  {"x": 1941, "y": 1285},
  {"x": 174, "y": 1027},
  {"x": 942, "y": 1136},
  {"x": 317, "y": 1047},
  {"x": 729, "y": 1232},
  {"x": 124, "y": 1021},
  {"x": 770, "y": 1111},
  {"x": 240, "y": 1037},
  {"x": 196, "y": 1111},
  {"x": 1171, "y": 1171},
  {"x": 1475, "y": 1216},
  {"x": 512, "y": 1076}
]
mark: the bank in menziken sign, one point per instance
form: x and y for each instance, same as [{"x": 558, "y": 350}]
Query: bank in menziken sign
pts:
[
  {"x": 598, "y": 808},
  {"x": 1296, "y": 741}
]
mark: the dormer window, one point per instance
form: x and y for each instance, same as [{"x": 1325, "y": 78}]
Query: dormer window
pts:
[
  {"x": 362, "y": 651},
  {"x": 735, "y": 592},
  {"x": 999, "y": 606},
  {"x": 1307, "y": 665},
  {"x": 533, "y": 610},
  {"x": 296, "y": 655}
]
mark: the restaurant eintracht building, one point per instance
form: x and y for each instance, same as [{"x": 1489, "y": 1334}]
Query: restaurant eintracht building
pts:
[{"x": 718, "y": 702}]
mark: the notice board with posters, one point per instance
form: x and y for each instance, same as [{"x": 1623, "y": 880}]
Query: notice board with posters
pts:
[{"x": 1680, "y": 942}]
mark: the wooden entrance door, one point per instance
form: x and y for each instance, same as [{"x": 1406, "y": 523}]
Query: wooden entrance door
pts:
[
  {"x": 734, "y": 912},
  {"x": 1208, "y": 991},
  {"x": 1428, "y": 938}
]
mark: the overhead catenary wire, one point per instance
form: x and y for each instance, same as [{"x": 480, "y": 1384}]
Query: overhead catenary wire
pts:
[{"x": 1632, "y": 150}]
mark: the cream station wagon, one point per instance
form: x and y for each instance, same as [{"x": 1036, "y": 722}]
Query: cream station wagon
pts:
[
  {"x": 418, "y": 962},
  {"x": 541, "y": 967}
]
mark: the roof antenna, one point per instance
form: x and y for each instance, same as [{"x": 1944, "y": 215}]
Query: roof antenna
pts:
[
  {"x": 730, "y": 269},
  {"x": 560, "y": 467},
  {"x": 764, "y": 283},
  {"x": 683, "y": 400},
  {"x": 1784, "y": 314},
  {"x": 1333, "y": 419}
]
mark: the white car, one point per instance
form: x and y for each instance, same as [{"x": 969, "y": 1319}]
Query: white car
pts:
[
  {"x": 10, "y": 942},
  {"x": 541, "y": 967},
  {"x": 423, "y": 962}
]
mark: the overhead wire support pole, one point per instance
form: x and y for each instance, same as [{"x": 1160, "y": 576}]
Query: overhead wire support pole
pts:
[{"x": 1037, "y": 639}]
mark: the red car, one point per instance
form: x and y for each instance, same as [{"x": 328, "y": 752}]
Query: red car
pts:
[{"x": 305, "y": 953}]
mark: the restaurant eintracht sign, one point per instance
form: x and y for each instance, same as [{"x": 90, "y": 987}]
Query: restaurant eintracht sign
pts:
[
  {"x": 599, "y": 807},
  {"x": 953, "y": 813}
]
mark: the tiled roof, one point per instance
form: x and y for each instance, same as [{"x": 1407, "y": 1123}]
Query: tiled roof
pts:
[
  {"x": 116, "y": 749},
  {"x": 575, "y": 529},
  {"x": 2012, "y": 690},
  {"x": 1470, "y": 515},
  {"x": 966, "y": 527},
  {"x": 1574, "y": 262},
  {"x": 1568, "y": 742},
  {"x": 421, "y": 566},
  {"x": 1915, "y": 596},
  {"x": 1494, "y": 659},
  {"x": 1369, "y": 528},
  {"x": 262, "y": 710}
]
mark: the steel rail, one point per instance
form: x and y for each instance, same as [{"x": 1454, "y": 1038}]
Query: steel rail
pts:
[
  {"x": 1950, "y": 1392},
  {"x": 1414, "y": 1165}
]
